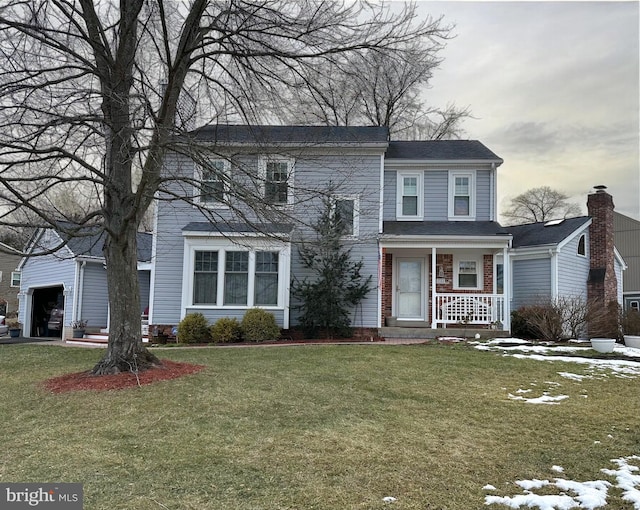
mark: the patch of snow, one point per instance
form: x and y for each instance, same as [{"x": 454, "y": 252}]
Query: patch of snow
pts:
[
  {"x": 574, "y": 377},
  {"x": 498, "y": 341},
  {"x": 544, "y": 399},
  {"x": 557, "y": 469},
  {"x": 589, "y": 495},
  {"x": 489, "y": 487},
  {"x": 389, "y": 499},
  {"x": 532, "y": 484}
]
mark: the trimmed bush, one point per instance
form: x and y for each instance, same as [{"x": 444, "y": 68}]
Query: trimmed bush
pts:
[
  {"x": 259, "y": 326},
  {"x": 226, "y": 330},
  {"x": 193, "y": 329}
]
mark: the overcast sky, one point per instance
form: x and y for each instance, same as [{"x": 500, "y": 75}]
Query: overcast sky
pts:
[{"x": 553, "y": 87}]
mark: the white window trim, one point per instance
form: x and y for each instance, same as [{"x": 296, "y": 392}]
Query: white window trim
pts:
[
  {"x": 479, "y": 271},
  {"x": 14, "y": 283},
  {"x": 471, "y": 174},
  {"x": 356, "y": 212},
  {"x": 399, "y": 189},
  {"x": 222, "y": 246},
  {"x": 585, "y": 254},
  {"x": 199, "y": 174},
  {"x": 262, "y": 170}
]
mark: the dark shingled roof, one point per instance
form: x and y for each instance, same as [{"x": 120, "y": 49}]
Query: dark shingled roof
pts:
[
  {"x": 238, "y": 228},
  {"x": 90, "y": 245},
  {"x": 536, "y": 234},
  {"x": 443, "y": 228},
  {"x": 441, "y": 150},
  {"x": 313, "y": 135}
]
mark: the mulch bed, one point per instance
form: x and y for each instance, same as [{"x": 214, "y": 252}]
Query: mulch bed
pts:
[{"x": 84, "y": 381}]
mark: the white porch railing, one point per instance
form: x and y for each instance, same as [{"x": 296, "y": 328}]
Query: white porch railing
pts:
[{"x": 485, "y": 309}]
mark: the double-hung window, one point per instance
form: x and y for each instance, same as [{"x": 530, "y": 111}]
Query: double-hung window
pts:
[
  {"x": 467, "y": 273},
  {"x": 462, "y": 196},
  {"x": 213, "y": 179},
  {"x": 409, "y": 196},
  {"x": 15, "y": 279},
  {"x": 205, "y": 278},
  {"x": 266, "y": 278},
  {"x": 346, "y": 214},
  {"x": 278, "y": 180},
  {"x": 236, "y": 277}
]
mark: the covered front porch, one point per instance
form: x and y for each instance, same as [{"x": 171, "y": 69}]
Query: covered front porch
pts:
[{"x": 445, "y": 282}]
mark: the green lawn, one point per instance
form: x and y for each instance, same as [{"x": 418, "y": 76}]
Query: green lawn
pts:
[{"x": 325, "y": 427}]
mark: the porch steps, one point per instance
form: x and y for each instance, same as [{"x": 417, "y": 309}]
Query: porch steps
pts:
[
  {"x": 94, "y": 340},
  {"x": 429, "y": 333}
]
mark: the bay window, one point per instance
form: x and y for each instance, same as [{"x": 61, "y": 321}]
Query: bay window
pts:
[{"x": 221, "y": 274}]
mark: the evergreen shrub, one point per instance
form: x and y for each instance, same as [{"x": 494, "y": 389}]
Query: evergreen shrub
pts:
[
  {"x": 193, "y": 329},
  {"x": 226, "y": 330},
  {"x": 258, "y": 325}
]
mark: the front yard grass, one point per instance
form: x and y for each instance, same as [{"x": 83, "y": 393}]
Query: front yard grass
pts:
[{"x": 324, "y": 427}]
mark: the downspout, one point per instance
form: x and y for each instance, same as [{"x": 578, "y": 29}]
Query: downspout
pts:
[
  {"x": 553, "y": 255},
  {"x": 79, "y": 286},
  {"x": 506, "y": 287},
  {"x": 492, "y": 193},
  {"x": 380, "y": 228}
]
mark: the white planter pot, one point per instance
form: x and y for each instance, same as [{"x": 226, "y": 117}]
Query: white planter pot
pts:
[
  {"x": 603, "y": 344},
  {"x": 632, "y": 341}
]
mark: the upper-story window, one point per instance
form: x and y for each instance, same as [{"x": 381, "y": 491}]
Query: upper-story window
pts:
[
  {"x": 409, "y": 196},
  {"x": 347, "y": 214},
  {"x": 582, "y": 246},
  {"x": 462, "y": 196},
  {"x": 213, "y": 178},
  {"x": 277, "y": 174},
  {"x": 15, "y": 279}
]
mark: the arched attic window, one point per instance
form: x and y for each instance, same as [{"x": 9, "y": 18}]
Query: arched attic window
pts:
[{"x": 582, "y": 246}]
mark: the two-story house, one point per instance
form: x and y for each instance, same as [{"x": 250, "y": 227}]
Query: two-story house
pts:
[{"x": 422, "y": 219}]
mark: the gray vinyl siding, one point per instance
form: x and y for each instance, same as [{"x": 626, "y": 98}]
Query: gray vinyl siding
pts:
[
  {"x": 344, "y": 174},
  {"x": 573, "y": 269},
  {"x": 627, "y": 241},
  {"x": 483, "y": 195},
  {"x": 436, "y": 192},
  {"x": 436, "y": 195},
  {"x": 95, "y": 298},
  {"x": 531, "y": 281},
  {"x": 619, "y": 280}
]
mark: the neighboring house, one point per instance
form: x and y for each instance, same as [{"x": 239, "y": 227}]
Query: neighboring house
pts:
[
  {"x": 72, "y": 279},
  {"x": 627, "y": 241},
  {"x": 567, "y": 258},
  {"x": 9, "y": 279},
  {"x": 422, "y": 219}
]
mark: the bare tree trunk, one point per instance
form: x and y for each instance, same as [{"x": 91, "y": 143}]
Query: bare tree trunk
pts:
[{"x": 125, "y": 352}]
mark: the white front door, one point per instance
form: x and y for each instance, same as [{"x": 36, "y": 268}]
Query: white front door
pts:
[{"x": 410, "y": 289}]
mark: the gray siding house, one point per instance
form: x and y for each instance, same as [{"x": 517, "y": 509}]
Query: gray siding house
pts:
[
  {"x": 72, "y": 279},
  {"x": 567, "y": 258},
  {"x": 627, "y": 241},
  {"x": 422, "y": 219},
  {"x": 9, "y": 279}
]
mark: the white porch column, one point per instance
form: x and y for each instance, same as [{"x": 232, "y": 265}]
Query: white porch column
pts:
[
  {"x": 506, "y": 288},
  {"x": 433, "y": 288}
]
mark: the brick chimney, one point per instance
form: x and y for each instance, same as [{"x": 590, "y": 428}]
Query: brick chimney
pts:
[{"x": 602, "y": 284}]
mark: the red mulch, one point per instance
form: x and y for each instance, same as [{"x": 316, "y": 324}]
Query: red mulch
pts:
[{"x": 85, "y": 381}]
